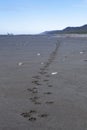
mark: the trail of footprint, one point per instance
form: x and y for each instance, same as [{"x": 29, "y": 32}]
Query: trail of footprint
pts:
[
  {"x": 32, "y": 115},
  {"x": 51, "y": 57}
]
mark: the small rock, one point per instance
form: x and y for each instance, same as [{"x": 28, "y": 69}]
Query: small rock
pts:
[
  {"x": 20, "y": 63},
  {"x": 81, "y": 52},
  {"x": 54, "y": 73},
  {"x": 38, "y": 54}
]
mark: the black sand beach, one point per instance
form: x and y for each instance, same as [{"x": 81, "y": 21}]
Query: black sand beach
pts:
[{"x": 43, "y": 82}]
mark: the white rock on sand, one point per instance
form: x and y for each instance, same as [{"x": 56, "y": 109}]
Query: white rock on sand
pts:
[
  {"x": 81, "y": 52},
  {"x": 54, "y": 73},
  {"x": 38, "y": 54},
  {"x": 20, "y": 63}
]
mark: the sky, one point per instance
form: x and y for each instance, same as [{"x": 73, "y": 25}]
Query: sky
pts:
[{"x": 36, "y": 16}]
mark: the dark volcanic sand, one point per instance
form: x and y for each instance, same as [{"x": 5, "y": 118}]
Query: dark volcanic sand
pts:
[{"x": 31, "y": 98}]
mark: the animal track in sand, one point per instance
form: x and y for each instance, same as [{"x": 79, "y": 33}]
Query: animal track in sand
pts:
[
  {"x": 33, "y": 90},
  {"x": 50, "y": 85},
  {"x": 51, "y": 57},
  {"x": 36, "y": 77},
  {"x": 43, "y": 115},
  {"x": 42, "y": 72},
  {"x": 34, "y": 98},
  {"x": 32, "y": 119},
  {"x": 49, "y": 102},
  {"x": 36, "y": 82},
  {"x": 28, "y": 114},
  {"x": 32, "y": 111},
  {"x": 46, "y": 80},
  {"x": 48, "y": 93},
  {"x": 32, "y": 115}
]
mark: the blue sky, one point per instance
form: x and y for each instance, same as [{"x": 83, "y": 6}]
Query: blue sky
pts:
[{"x": 35, "y": 16}]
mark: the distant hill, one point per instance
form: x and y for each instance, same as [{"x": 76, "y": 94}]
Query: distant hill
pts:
[{"x": 69, "y": 30}]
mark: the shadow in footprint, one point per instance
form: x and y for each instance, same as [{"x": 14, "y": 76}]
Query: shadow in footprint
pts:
[
  {"x": 33, "y": 90},
  {"x": 36, "y": 77},
  {"x": 32, "y": 119},
  {"x": 32, "y": 111},
  {"x": 48, "y": 93},
  {"x": 28, "y": 114},
  {"x": 43, "y": 115},
  {"x": 37, "y": 103},
  {"x": 49, "y": 102},
  {"x": 46, "y": 80},
  {"x": 42, "y": 72},
  {"x": 50, "y": 85},
  {"x": 36, "y": 82},
  {"x": 34, "y": 98}
]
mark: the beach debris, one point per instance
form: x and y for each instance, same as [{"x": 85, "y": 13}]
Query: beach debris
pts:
[
  {"x": 38, "y": 54},
  {"x": 81, "y": 52},
  {"x": 20, "y": 63},
  {"x": 54, "y": 73}
]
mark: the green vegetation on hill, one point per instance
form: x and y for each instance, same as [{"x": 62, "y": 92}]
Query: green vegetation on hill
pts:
[{"x": 70, "y": 30}]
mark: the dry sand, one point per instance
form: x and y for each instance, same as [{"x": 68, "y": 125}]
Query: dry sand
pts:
[{"x": 43, "y": 83}]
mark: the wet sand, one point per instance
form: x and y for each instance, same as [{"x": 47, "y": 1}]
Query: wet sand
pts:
[{"x": 43, "y": 83}]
